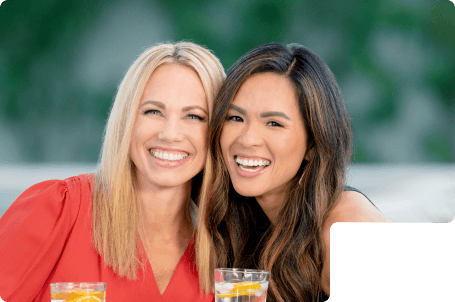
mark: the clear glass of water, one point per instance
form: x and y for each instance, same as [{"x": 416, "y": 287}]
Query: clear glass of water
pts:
[
  {"x": 241, "y": 285},
  {"x": 78, "y": 292}
]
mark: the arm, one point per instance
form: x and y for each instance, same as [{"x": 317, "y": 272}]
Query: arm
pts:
[{"x": 33, "y": 233}]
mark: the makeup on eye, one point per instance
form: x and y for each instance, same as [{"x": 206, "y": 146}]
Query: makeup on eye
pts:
[
  {"x": 152, "y": 111},
  {"x": 234, "y": 118},
  {"x": 192, "y": 116},
  {"x": 242, "y": 111},
  {"x": 273, "y": 123}
]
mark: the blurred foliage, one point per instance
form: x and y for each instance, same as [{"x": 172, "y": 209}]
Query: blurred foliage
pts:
[{"x": 394, "y": 61}]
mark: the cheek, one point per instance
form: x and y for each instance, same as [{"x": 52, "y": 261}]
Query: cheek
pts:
[
  {"x": 224, "y": 144},
  {"x": 296, "y": 147},
  {"x": 290, "y": 149},
  {"x": 199, "y": 137},
  {"x": 143, "y": 129},
  {"x": 135, "y": 140}
]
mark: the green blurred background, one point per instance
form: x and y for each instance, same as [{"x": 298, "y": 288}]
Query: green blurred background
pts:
[{"x": 61, "y": 63}]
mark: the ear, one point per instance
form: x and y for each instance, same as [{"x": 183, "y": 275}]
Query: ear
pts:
[{"x": 309, "y": 152}]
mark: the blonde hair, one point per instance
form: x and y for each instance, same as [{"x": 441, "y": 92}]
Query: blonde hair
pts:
[{"x": 116, "y": 221}]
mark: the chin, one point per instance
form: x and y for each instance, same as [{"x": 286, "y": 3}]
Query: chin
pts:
[
  {"x": 246, "y": 190},
  {"x": 169, "y": 182}
]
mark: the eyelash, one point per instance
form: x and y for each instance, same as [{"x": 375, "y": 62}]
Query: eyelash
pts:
[
  {"x": 190, "y": 116},
  {"x": 152, "y": 111},
  {"x": 275, "y": 124},
  {"x": 236, "y": 118},
  {"x": 197, "y": 117}
]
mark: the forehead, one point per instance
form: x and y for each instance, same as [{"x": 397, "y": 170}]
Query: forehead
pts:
[
  {"x": 267, "y": 90},
  {"x": 171, "y": 81}
]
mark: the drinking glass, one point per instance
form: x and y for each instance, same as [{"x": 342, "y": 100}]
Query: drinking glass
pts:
[
  {"x": 241, "y": 285},
  {"x": 78, "y": 292}
]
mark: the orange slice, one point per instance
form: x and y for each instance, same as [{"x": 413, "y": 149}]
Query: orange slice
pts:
[{"x": 88, "y": 299}]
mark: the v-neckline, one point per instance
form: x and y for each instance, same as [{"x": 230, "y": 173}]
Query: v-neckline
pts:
[{"x": 177, "y": 267}]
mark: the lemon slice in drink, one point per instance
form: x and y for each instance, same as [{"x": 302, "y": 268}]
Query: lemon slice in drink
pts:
[
  {"x": 88, "y": 299},
  {"x": 235, "y": 295},
  {"x": 244, "y": 286},
  {"x": 242, "y": 289}
]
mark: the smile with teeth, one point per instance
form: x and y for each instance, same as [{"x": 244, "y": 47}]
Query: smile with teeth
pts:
[
  {"x": 166, "y": 155},
  {"x": 250, "y": 165}
]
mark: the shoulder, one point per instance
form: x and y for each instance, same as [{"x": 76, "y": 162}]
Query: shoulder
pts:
[
  {"x": 352, "y": 206},
  {"x": 57, "y": 187},
  {"x": 39, "y": 223},
  {"x": 48, "y": 198},
  {"x": 80, "y": 184}
]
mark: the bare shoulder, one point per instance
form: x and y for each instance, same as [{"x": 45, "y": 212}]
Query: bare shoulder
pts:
[
  {"x": 351, "y": 207},
  {"x": 355, "y": 207}
]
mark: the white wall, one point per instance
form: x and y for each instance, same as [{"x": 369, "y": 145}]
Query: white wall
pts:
[{"x": 404, "y": 193}]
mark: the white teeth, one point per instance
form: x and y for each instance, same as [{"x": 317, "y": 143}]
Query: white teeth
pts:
[
  {"x": 251, "y": 163},
  {"x": 168, "y": 156},
  {"x": 242, "y": 167}
]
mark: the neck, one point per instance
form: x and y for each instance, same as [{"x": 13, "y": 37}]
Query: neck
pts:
[
  {"x": 165, "y": 211},
  {"x": 271, "y": 204}
]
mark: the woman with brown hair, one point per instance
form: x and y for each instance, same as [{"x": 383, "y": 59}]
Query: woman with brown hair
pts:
[
  {"x": 280, "y": 147},
  {"x": 130, "y": 224}
]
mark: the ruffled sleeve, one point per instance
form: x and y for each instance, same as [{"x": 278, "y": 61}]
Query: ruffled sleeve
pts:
[{"x": 33, "y": 233}]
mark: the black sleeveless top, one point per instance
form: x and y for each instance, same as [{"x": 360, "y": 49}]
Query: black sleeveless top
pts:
[{"x": 322, "y": 295}]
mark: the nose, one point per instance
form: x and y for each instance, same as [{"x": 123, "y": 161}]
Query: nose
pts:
[
  {"x": 250, "y": 136},
  {"x": 171, "y": 131}
]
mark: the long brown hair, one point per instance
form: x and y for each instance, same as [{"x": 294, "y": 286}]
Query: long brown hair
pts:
[
  {"x": 116, "y": 214},
  {"x": 233, "y": 229}
]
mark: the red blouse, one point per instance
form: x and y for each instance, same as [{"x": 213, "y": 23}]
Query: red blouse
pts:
[{"x": 45, "y": 237}]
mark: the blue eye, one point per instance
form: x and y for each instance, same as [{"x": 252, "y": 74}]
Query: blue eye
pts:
[
  {"x": 196, "y": 117},
  {"x": 152, "y": 112},
  {"x": 235, "y": 118}
]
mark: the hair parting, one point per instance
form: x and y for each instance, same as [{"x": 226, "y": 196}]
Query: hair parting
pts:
[
  {"x": 235, "y": 227},
  {"x": 117, "y": 225}
]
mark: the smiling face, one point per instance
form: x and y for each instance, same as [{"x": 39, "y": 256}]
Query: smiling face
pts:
[
  {"x": 263, "y": 140},
  {"x": 169, "y": 139}
]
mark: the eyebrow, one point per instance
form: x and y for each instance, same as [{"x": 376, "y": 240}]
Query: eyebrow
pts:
[
  {"x": 264, "y": 114},
  {"x": 156, "y": 103},
  {"x": 274, "y": 113},
  {"x": 238, "y": 109},
  {"x": 186, "y": 108}
]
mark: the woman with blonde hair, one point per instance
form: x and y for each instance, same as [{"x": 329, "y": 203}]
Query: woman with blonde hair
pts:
[
  {"x": 130, "y": 224},
  {"x": 281, "y": 144}
]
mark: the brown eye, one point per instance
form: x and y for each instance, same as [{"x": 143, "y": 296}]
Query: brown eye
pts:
[
  {"x": 235, "y": 118},
  {"x": 274, "y": 124}
]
